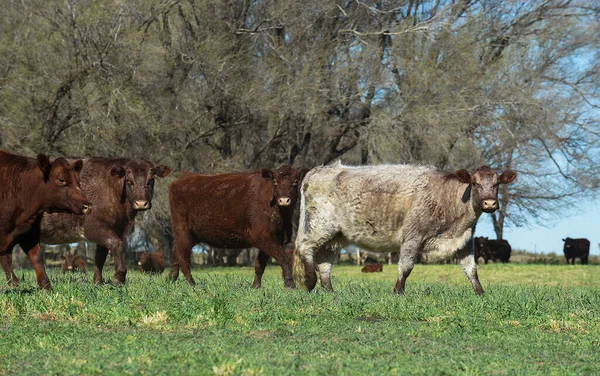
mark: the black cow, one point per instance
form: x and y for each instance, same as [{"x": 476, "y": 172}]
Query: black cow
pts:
[{"x": 576, "y": 248}]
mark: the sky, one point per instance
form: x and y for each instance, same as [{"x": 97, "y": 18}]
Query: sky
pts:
[{"x": 584, "y": 224}]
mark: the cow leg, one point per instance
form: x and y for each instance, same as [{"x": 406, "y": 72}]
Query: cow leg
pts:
[
  {"x": 408, "y": 256},
  {"x": 36, "y": 258},
  {"x": 118, "y": 252},
  {"x": 274, "y": 249},
  {"x": 182, "y": 257},
  {"x": 259, "y": 268},
  {"x": 405, "y": 267},
  {"x": 325, "y": 259},
  {"x": 6, "y": 262},
  {"x": 467, "y": 263},
  {"x": 100, "y": 259}
]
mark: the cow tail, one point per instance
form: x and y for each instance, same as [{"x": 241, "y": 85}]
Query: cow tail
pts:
[{"x": 298, "y": 269}]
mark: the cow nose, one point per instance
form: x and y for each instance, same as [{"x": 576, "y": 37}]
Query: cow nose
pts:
[
  {"x": 86, "y": 209},
  {"x": 284, "y": 201},
  {"x": 141, "y": 205},
  {"x": 490, "y": 205}
]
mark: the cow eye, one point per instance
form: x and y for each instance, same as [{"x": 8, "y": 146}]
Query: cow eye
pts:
[
  {"x": 130, "y": 182},
  {"x": 274, "y": 183},
  {"x": 61, "y": 180},
  {"x": 295, "y": 182}
]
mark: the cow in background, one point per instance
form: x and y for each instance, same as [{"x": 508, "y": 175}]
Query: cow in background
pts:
[
  {"x": 234, "y": 210},
  {"x": 413, "y": 209},
  {"x": 73, "y": 263},
  {"x": 119, "y": 188},
  {"x": 151, "y": 262},
  {"x": 576, "y": 248},
  {"x": 372, "y": 268},
  {"x": 492, "y": 249},
  {"x": 28, "y": 188}
]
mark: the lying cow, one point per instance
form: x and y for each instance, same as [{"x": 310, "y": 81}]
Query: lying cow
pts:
[
  {"x": 576, "y": 248},
  {"x": 413, "y": 209},
  {"x": 372, "y": 268},
  {"x": 492, "y": 249},
  {"x": 152, "y": 262},
  {"x": 28, "y": 188},
  {"x": 236, "y": 210},
  {"x": 119, "y": 188},
  {"x": 73, "y": 263}
]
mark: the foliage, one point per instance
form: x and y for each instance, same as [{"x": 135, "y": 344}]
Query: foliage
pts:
[
  {"x": 533, "y": 319},
  {"x": 221, "y": 86}
]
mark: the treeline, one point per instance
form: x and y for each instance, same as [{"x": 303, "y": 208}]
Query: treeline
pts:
[{"x": 218, "y": 86}]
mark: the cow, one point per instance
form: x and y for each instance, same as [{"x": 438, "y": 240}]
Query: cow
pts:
[
  {"x": 372, "y": 268},
  {"x": 234, "y": 210},
  {"x": 386, "y": 208},
  {"x": 73, "y": 263},
  {"x": 28, "y": 188},
  {"x": 576, "y": 248},
  {"x": 492, "y": 249},
  {"x": 119, "y": 188},
  {"x": 152, "y": 262}
]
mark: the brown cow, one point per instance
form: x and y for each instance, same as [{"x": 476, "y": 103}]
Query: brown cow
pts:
[
  {"x": 118, "y": 188},
  {"x": 73, "y": 263},
  {"x": 576, "y": 248},
  {"x": 152, "y": 262},
  {"x": 236, "y": 210},
  {"x": 372, "y": 268},
  {"x": 28, "y": 188}
]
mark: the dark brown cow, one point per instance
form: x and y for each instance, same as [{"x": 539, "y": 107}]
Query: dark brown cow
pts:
[
  {"x": 119, "y": 189},
  {"x": 152, "y": 262},
  {"x": 372, "y": 268},
  {"x": 492, "y": 249},
  {"x": 237, "y": 210},
  {"x": 576, "y": 248},
  {"x": 73, "y": 263},
  {"x": 28, "y": 188}
]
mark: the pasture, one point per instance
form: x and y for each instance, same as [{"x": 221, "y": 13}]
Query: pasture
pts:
[{"x": 533, "y": 319}]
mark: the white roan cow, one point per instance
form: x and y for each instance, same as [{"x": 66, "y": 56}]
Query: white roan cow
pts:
[{"x": 387, "y": 208}]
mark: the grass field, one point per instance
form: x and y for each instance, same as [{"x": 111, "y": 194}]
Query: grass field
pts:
[{"x": 533, "y": 319}]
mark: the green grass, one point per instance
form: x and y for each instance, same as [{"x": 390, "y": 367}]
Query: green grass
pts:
[{"x": 533, "y": 319}]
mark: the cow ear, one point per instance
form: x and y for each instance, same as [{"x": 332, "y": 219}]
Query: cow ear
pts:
[
  {"x": 78, "y": 166},
  {"x": 161, "y": 171},
  {"x": 117, "y": 171},
  {"x": 508, "y": 176},
  {"x": 44, "y": 165},
  {"x": 267, "y": 174},
  {"x": 463, "y": 176},
  {"x": 302, "y": 173}
]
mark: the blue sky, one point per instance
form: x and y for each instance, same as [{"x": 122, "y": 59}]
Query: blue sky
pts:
[{"x": 582, "y": 224}]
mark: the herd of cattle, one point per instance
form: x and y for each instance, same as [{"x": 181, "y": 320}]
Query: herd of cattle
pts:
[{"x": 416, "y": 210}]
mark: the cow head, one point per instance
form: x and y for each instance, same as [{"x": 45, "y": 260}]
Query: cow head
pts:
[
  {"x": 136, "y": 179},
  {"x": 285, "y": 184},
  {"x": 484, "y": 184},
  {"x": 61, "y": 190},
  {"x": 71, "y": 262}
]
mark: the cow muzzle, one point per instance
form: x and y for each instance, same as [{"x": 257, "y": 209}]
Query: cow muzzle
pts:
[
  {"x": 141, "y": 205},
  {"x": 284, "y": 201},
  {"x": 489, "y": 206}
]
